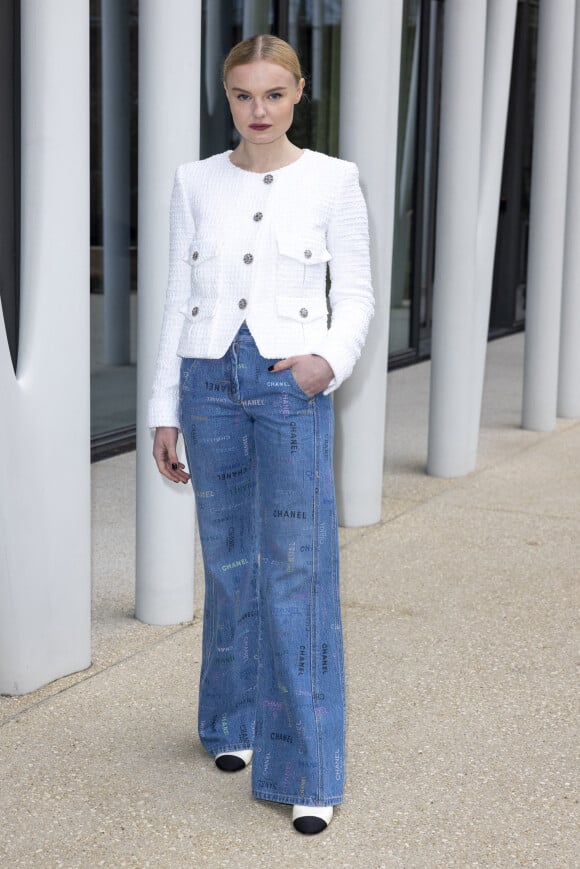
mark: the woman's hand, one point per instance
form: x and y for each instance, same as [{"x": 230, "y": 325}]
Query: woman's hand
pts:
[
  {"x": 312, "y": 373},
  {"x": 165, "y": 455}
]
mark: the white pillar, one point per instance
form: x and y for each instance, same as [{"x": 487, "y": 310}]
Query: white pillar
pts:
[
  {"x": 169, "y": 81},
  {"x": 499, "y": 50},
  {"x": 547, "y": 214},
  {"x": 369, "y": 88},
  {"x": 116, "y": 181},
  {"x": 450, "y": 452},
  {"x": 569, "y": 375},
  {"x": 45, "y": 435}
]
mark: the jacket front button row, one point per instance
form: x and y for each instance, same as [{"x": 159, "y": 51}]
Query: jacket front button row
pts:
[
  {"x": 195, "y": 255},
  {"x": 307, "y": 254},
  {"x": 194, "y": 311},
  {"x": 303, "y": 312},
  {"x": 268, "y": 179},
  {"x": 258, "y": 216},
  {"x": 242, "y": 304},
  {"x": 248, "y": 258}
]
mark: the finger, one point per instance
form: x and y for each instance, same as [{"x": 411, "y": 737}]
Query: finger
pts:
[
  {"x": 176, "y": 476},
  {"x": 177, "y": 468},
  {"x": 283, "y": 364},
  {"x": 173, "y": 469},
  {"x": 169, "y": 465}
]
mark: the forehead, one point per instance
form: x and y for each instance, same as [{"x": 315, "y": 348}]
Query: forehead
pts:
[{"x": 260, "y": 75}]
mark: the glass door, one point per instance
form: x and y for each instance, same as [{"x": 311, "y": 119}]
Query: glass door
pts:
[
  {"x": 511, "y": 255},
  {"x": 414, "y": 233}
]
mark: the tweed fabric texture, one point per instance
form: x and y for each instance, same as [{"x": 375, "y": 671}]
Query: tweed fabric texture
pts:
[{"x": 256, "y": 247}]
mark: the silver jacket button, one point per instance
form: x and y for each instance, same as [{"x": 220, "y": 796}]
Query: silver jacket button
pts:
[
  {"x": 303, "y": 312},
  {"x": 242, "y": 304},
  {"x": 258, "y": 216},
  {"x": 194, "y": 311},
  {"x": 268, "y": 179},
  {"x": 248, "y": 258},
  {"x": 307, "y": 254}
]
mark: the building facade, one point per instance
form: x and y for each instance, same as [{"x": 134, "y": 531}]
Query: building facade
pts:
[{"x": 442, "y": 104}]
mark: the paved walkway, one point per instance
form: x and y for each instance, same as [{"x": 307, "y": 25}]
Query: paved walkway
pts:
[{"x": 460, "y": 614}]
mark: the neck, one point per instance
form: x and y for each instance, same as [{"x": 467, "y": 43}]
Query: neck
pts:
[{"x": 265, "y": 158}]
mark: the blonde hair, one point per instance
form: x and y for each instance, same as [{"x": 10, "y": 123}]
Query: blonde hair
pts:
[{"x": 264, "y": 46}]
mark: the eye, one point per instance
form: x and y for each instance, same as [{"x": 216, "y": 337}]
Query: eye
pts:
[
  {"x": 275, "y": 96},
  {"x": 242, "y": 98}
]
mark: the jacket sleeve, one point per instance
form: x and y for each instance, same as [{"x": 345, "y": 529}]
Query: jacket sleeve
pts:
[
  {"x": 351, "y": 293},
  {"x": 164, "y": 401}
]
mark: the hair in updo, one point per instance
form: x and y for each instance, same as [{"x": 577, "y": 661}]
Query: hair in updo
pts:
[{"x": 263, "y": 47}]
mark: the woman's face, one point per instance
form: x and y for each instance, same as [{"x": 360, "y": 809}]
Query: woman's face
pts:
[{"x": 262, "y": 96}]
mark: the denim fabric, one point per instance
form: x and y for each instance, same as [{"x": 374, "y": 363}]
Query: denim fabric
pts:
[{"x": 272, "y": 675}]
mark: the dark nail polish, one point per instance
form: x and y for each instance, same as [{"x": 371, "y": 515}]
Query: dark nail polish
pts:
[
  {"x": 270, "y": 367},
  {"x": 174, "y": 466}
]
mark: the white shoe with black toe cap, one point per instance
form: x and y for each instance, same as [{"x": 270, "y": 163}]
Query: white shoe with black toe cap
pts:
[
  {"x": 311, "y": 819},
  {"x": 234, "y": 761}
]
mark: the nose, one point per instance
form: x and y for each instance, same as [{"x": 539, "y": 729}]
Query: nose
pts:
[{"x": 259, "y": 108}]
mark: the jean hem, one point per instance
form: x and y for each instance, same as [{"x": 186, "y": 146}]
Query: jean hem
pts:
[
  {"x": 238, "y": 746},
  {"x": 301, "y": 800}
]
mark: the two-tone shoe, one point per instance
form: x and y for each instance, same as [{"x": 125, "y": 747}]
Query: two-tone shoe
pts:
[
  {"x": 233, "y": 761},
  {"x": 311, "y": 819}
]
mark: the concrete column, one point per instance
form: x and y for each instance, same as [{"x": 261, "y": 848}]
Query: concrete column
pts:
[
  {"x": 169, "y": 78},
  {"x": 116, "y": 180},
  {"x": 569, "y": 375},
  {"x": 45, "y": 435},
  {"x": 450, "y": 452},
  {"x": 371, "y": 52},
  {"x": 499, "y": 50},
  {"x": 548, "y": 214}
]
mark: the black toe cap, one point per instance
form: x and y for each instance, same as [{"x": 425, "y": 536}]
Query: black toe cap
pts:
[
  {"x": 229, "y": 763},
  {"x": 310, "y": 825}
]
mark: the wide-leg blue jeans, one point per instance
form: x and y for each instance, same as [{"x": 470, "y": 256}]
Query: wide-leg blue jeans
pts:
[{"x": 272, "y": 675}]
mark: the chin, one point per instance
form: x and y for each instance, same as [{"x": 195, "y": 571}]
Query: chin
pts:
[{"x": 260, "y": 138}]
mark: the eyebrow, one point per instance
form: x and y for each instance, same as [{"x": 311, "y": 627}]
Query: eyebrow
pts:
[{"x": 271, "y": 90}]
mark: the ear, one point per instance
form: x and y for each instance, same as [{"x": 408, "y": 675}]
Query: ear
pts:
[{"x": 301, "y": 85}]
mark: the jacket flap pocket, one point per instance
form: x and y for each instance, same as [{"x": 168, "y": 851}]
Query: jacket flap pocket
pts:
[
  {"x": 306, "y": 248},
  {"x": 197, "y": 308},
  {"x": 202, "y": 249},
  {"x": 301, "y": 309}
]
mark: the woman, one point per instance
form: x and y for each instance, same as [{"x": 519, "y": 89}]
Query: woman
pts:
[{"x": 249, "y": 355}]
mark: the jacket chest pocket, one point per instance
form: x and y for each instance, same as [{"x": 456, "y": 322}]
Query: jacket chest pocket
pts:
[{"x": 302, "y": 259}]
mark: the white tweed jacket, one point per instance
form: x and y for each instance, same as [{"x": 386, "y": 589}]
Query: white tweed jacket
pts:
[{"x": 255, "y": 247}]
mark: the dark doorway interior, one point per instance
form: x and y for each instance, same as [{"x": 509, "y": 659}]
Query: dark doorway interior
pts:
[
  {"x": 509, "y": 281},
  {"x": 10, "y": 170}
]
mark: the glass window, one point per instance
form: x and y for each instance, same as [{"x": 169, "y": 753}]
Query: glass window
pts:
[
  {"x": 114, "y": 118},
  {"x": 312, "y": 27},
  {"x": 401, "y": 297},
  {"x": 414, "y": 233}
]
